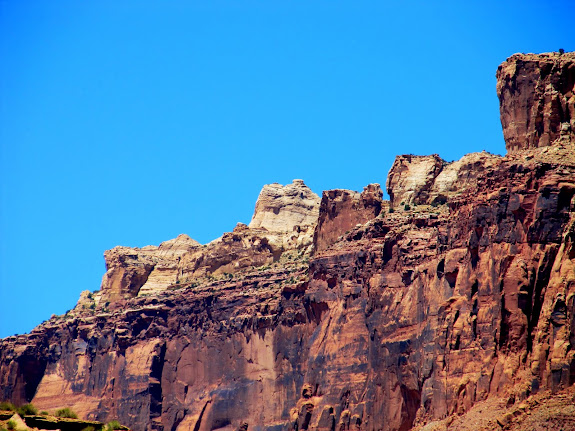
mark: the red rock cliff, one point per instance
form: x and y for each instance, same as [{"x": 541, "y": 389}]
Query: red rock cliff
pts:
[
  {"x": 342, "y": 210},
  {"x": 399, "y": 319},
  {"x": 536, "y": 99}
]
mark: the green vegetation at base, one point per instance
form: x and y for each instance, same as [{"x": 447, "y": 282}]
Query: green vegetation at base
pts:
[
  {"x": 66, "y": 412},
  {"x": 26, "y": 409},
  {"x": 5, "y": 405},
  {"x": 113, "y": 425}
]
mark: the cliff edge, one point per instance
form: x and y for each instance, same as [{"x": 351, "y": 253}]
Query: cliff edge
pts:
[{"x": 537, "y": 99}]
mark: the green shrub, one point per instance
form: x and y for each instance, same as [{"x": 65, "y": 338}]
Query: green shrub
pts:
[
  {"x": 66, "y": 412},
  {"x": 11, "y": 424},
  {"x": 45, "y": 413},
  {"x": 561, "y": 51},
  {"x": 89, "y": 428},
  {"x": 406, "y": 207},
  {"x": 27, "y": 409},
  {"x": 5, "y": 405},
  {"x": 113, "y": 425}
]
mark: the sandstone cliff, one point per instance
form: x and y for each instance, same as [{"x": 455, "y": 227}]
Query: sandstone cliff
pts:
[
  {"x": 284, "y": 220},
  {"x": 430, "y": 180},
  {"x": 537, "y": 99},
  {"x": 283, "y": 208},
  {"x": 342, "y": 210},
  {"x": 456, "y": 310}
]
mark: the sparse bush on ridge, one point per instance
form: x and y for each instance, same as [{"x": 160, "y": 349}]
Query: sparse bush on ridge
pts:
[
  {"x": 27, "y": 409},
  {"x": 66, "y": 412},
  {"x": 5, "y": 405},
  {"x": 113, "y": 425}
]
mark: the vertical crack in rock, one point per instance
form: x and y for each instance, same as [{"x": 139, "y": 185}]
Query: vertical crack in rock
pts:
[
  {"x": 198, "y": 424},
  {"x": 155, "y": 386}
]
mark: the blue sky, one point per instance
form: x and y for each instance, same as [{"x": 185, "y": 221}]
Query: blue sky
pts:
[{"x": 130, "y": 122}]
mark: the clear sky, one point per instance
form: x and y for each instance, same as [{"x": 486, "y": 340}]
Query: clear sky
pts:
[{"x": 130, "y": 122}]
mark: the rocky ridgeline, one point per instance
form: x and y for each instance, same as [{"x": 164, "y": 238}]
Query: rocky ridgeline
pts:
[
  {"x": 451, "y": 305},
  {"x": 284, "y": 220}
]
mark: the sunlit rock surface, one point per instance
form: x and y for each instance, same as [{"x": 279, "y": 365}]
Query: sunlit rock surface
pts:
[{"x": 455, "y": 309}]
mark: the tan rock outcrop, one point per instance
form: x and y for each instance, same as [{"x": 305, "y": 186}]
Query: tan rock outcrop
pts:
[
  {"x": 429, "y": 180},
  {"x": 133, "y": 271},
  {"x": 283, "y": 208},
  {"x": 460, "y": 175},
  {"x": 411, "y": 177},
  {"x": 127, "y": 270},
  {"x": 284, "y": 220},
  {"x": 536, "y": 99}
]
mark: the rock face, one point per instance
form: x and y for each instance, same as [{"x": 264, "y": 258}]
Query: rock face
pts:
[
  {"x": 284, "y": 220},
  {"x": 341, "y": 210},
  {"x": 287, "y": 215},
  {"x": 399, "y": 319},
  {"x": 411, "y": 177},
  {"x": 429, "y": 180},
  {"x": 536, "y": 99},
  {"x": 430, "y": 313},
  {"x": 132, "y": 271},
  {"x": 283, "y": 208}
]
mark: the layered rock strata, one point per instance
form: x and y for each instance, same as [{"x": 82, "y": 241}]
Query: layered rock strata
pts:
[
  {"x": 408, "y": 318},
  {"x": 405, "y": 319},
  {"x": 283, "y": 208},
  {"x": 284, "y": 220},
  {"x": 430, "y": 180},
  {"x": 449, "y": 309},
  {"x": 131, "y": 271},
  {"x": 537, "y": 99}
]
